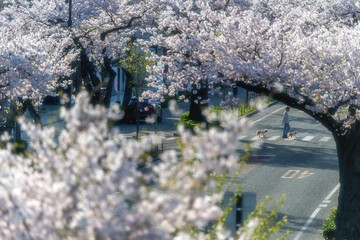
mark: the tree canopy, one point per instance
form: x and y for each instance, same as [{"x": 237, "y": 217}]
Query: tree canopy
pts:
[{"x": 303, "y": 53}]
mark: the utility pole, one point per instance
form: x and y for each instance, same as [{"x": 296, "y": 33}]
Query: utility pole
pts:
[{"x": 70, "y": 14}]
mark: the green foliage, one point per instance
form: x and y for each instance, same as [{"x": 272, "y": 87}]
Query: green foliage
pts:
[
  {"x": 19, "y": 147},
  {"x": 269, "y": 222},
  {"x": 187, "y": 122},
  {"x": 216, "y": 109},
  {"x": 135, "y": 62},
  {"x": 328, "y": 229},
  {"x": 270, "y": 100},
  {"x": 149, "y": 156},
  {"x": 265, "y": 214},
  {"x": 244, "y": 109}
]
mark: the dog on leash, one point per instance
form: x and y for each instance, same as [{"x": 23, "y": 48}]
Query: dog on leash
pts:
[
  {"x": 261, "y": 133},
  {"x": 292, "y": 134}
]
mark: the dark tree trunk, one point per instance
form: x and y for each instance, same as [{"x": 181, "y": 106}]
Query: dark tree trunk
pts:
[
  {"x": 348, "y": 213},
  {"x": 74, "y": 87},
  {"x": 128, "y": 90},
  {"x": 91, "y": 80},
  {"x": 16, "y": 112},
  {"x": 348, "y": 151},
  {"x": 109, "y": 83},
  {"x": 33, "y": 113},
  {"x": 196, "y": 107}
]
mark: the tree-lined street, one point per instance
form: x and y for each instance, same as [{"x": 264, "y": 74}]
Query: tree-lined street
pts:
[
  {"x": 304, "y": 168},
  {"x": 81, "y": 179}
]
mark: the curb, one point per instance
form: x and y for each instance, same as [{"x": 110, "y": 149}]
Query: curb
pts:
[
  {"x": 176, "y": 134},
  {"x": 257, "y": 111}
]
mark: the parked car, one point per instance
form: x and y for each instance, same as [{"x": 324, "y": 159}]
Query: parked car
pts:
[
  {"x": 146, "y": 109},
  {"x": 51, "y": 100}
]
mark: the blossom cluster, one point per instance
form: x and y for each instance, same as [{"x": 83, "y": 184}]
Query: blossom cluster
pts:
[
  {"x": 307, "y": 50},
  {"x": 85, "y": 183}
]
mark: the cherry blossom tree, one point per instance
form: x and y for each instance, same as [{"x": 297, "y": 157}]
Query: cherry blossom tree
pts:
[
  {"x": 303, "y": 54},
  {"x": 86, "y": 183},
  {"x": 32, "y": 58},
  {"x": 97, "y": 31}
]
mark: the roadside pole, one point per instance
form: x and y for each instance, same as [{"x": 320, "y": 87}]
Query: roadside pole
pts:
[{"x": 156, "y": 127}]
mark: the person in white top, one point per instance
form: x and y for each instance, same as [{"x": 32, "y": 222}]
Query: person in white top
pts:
[{"x": 286, "y": 123}]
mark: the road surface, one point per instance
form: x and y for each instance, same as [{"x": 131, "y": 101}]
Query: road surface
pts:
[{"x": 305, "y": 169}]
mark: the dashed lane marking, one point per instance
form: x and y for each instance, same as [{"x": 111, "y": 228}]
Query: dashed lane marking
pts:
[
  {"x": 313, "y": 215},
  {"x": 325, "y": 139},
  {"x": 308, "y": 138},
  {"x": 273, "y": 138}
]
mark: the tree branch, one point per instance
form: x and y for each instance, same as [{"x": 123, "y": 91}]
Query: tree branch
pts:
[
  {"x": 334, "y": 109},
  {"x": 104, "y": 34},
  {"x": 325, "y": 119}
]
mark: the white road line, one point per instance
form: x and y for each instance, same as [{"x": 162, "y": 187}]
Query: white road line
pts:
[
  {"x": 308, "y": 138},
  {"x": 325, "y": 139},
  {"x": 266, "y": 116},
  {"x": 273, "y": 138},
  {"x": 313, "y": 215},
  {"x": 242, "y": 137},
  {"x": 332, "y": 192},
  {"x": 255, "y": 138},
  {"x": 171, "y": 138},
  {"x": 289, "y": 139}
]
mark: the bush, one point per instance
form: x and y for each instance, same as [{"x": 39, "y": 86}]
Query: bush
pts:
[
  {"x": 191, "y": 124},
  {"x": 187, "y": 122},
  {"x": 244, "y": 109},
  {"x": 19, "y": 147},
  {"x": 329, "y": 228}
]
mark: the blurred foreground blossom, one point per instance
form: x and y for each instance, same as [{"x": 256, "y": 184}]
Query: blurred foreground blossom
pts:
[
  {"x": 85, "y": 183},
  {"x": 174, "y": 108}
]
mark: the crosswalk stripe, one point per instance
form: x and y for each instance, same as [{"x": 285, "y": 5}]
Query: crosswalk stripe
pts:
[
  {"x": 289, "y": 139},
  {"x": 325, "y": 139},
  {"x": 242, "y": 137},
  {"x": 273, "y": 138},
  {"x": 255, "y": 138},
  {"x": 170, "y": 138},
  {"x": 308, "y": 138}
]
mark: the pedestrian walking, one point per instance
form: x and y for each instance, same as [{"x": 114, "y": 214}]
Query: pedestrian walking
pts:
[{"x": 286, "y": 123}]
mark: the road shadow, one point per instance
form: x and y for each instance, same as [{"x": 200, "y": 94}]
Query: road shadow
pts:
[
  {"x": 296, "y": 156},
  {"x": 295, "y": 223}
]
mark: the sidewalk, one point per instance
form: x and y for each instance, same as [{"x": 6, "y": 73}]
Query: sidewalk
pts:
[{"x": 50, "y": 116}]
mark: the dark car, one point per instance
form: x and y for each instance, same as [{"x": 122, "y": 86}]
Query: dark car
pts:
[
  {"x": 51, "y": 100},
  {"x": 146, "y": 109}
]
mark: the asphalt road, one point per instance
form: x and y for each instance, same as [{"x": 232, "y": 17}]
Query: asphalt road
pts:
[{"x": 305, "y": 169}]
